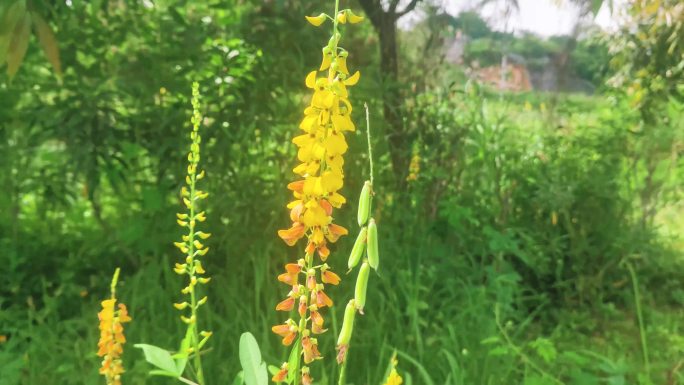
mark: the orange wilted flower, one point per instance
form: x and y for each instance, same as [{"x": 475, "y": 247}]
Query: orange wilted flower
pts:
[{"x": 110, "y": 345}]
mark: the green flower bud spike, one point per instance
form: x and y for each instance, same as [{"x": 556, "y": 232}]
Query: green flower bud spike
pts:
[
  {"x": 357, "y": 250},
  {"x": 373, "y": 256}
]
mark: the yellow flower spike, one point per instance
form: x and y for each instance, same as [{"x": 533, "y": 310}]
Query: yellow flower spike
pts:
[
  {"x": 316, "y": 21},
  {"x": 353, "y": 18},
  {"x": 110, "y": 345}
]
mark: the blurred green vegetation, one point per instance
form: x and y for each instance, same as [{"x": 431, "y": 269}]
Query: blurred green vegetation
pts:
[{"x": 538, "y": 230}]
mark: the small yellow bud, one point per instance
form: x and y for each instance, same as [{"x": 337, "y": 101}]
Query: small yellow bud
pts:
[
  {"x": 182, "y": 216},
  {"x": 373, "y": 256},
  {"x": 357, "y": 250},
  {"x": 352, "y": 18},
  {"x": 181, "y": 306},
  {"x": 361, "y": 287},
  {"x": 201, "y": 217},
  {"x": 187, "y": 203},
  {"x": 316, "y": 20},
  {"x": 205, "y": 333},
  {"x": 342, "y": 17},
  {"x": 202, "y": 301},
  {"x": 184, "y": 191},
  {"x": 198, "y": 268},
  {"x": 186, "y": 290},
  {"x": 203, "y": 235},
  {"x": 203, "y": 251},
  {"x": 200, "y": 175},
  {"x": 198, "y": 244},
  {"x": 204, "y": 280},
  {"x": 182, "y": 223}
]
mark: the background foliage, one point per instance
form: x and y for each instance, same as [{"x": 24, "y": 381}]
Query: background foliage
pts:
[{"x": 506, "y": 256}]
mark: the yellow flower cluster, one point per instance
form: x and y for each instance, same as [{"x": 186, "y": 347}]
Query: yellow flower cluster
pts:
[
  {"x": 321, "y": 147},
  {"x": 112, "y": 339}
]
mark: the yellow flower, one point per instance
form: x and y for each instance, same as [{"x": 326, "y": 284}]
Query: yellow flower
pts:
[{"x": 394, "y": 378}]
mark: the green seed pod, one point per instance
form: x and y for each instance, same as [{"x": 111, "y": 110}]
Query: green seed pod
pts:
[
  {"x": 357, "y": 250},
  {"x": 347, "y": 324},
  {"x": 364, "y": 203},
  {"x": 373, "y": 256},
  {"x": 361, "y": 286}
]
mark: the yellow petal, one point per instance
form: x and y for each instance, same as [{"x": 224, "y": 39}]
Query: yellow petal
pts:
[
  {"x": 342, "y": 17},
  {"x": 342, "y": 65},
  {"x": 311, "y": 79},
  {"x": 343, "y": 123},
  {"x": 316, "y": 20},
  {"x": 335, "y": 145},
  {"x": 352, "y": 80},
  {"x": 327, "y": 59}
]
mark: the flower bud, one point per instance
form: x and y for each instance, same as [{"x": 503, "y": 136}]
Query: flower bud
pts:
[
  {"x": 364, "y": 204},
  {"x": 316, "y": 20},
  {"x": 373, "y": 256},
  {"x": 357, "y": 250},
  {"x": 361, "y": 287},
  {"x": 352, "y": 18},
  {"x": 347, "y": 324}
]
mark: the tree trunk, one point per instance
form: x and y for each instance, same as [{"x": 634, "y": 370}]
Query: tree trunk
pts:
[{"x": 392, "y": 100}]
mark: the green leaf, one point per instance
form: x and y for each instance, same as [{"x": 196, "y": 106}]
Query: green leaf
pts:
[
  {"x": 293, "y": 362},
  {"x": 160, "y": 358},
  {"x": 48, "y": 42},
  {"x": 239, "y": 378},
  {"x": 250, "y": 358},
  {"x": 18, "y": 44}
]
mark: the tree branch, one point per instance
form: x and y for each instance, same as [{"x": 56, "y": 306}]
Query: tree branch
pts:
[
  {"x": 410, "y": 7},
  {"x": 374, "y": 10},
  {"x": 393, "y": 7}
]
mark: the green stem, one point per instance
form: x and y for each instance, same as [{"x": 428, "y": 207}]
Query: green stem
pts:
[
  {"x": 640, "y": 317},
  {"x": 370, "y": 148}
]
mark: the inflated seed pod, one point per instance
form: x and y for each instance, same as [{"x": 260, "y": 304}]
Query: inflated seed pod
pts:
[
  {"x": 347, "y": 324},
  {"x": 357, "y": 250},
  {"x": 373, "y": 256},
  {"x": 361, "y": 287},
  {"x": 364, "y": 203}
]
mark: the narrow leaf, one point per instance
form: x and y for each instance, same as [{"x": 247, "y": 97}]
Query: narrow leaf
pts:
[
  {"x": 48, "y": 42},
  {"x": 18, "y": 44}
]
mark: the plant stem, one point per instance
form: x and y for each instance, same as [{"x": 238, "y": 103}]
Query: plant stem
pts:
[
  {"x": 370, "y": 148},
  {"x": 640, "y": 318}
]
